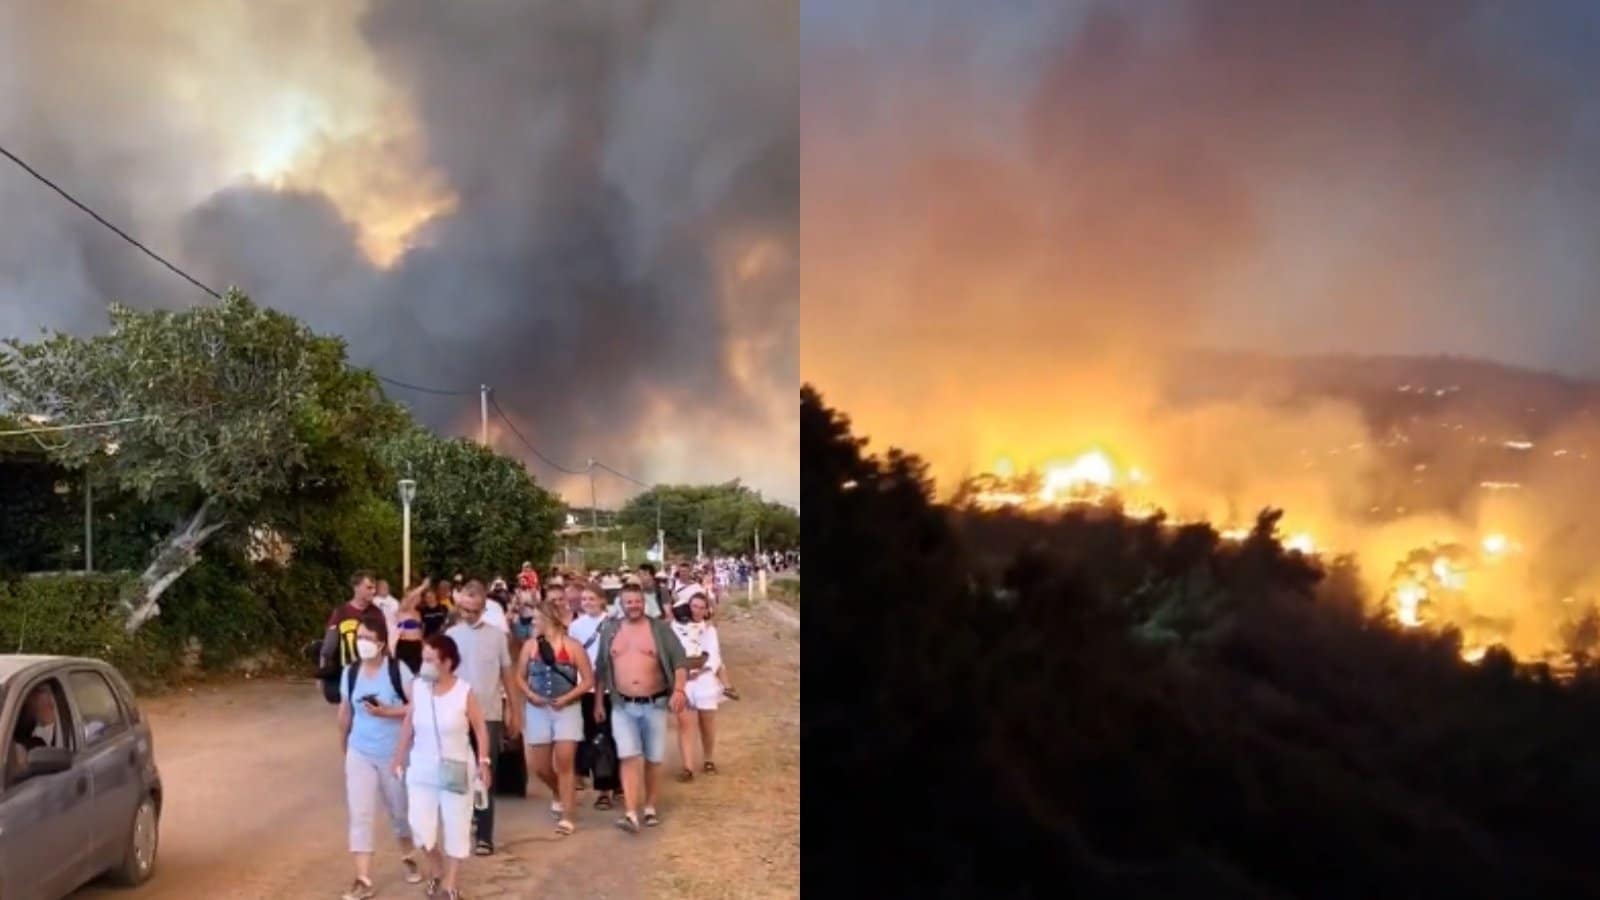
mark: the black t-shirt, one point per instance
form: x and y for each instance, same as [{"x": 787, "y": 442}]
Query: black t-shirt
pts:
[{"x": 433, "y": 619}]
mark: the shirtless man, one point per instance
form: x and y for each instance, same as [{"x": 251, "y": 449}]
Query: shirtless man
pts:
[{"x": 642, "y": 664}]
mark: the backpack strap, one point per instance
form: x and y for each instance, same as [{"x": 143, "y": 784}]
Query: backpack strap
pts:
[
  {"x": 394, "y": 679},
  {"x": 350, "y": 683}
]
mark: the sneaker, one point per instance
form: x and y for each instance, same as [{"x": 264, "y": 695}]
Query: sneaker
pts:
[
  {"x": 556, "y": 812},
  {"x": 360, "y": 890},
  {"x": 629, "y": 823}
]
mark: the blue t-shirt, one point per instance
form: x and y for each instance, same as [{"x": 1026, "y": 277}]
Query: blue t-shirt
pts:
[{"x": 372, "y": 736}]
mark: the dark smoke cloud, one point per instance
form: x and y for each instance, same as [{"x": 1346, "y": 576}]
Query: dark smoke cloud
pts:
[
  {"x": 610, "y": 166},
  {"x": 1008, "y": 186}
]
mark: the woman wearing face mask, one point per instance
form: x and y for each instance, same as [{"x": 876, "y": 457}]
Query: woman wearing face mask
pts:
[
  {"x": 585, "y": 630},
  {"x": 435, "y": 754},
  {"x": 556, "y": 675},
  {"x": 374, "y": 693}
]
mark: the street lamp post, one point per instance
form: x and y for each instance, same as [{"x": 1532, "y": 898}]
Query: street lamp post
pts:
[
  {"x": 661, "y": 536},
  {"x": 408, "y": 492}
]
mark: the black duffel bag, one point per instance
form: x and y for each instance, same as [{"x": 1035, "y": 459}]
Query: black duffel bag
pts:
[{"x": 511, "y": 770}]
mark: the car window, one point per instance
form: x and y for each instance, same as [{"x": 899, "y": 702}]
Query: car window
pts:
[
  {"x": 97, "y": 704},
  {"x": 42, "y": 719}
]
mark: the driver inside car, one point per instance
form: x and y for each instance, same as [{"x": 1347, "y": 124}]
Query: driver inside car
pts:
[{"x": 37, "y": 726}]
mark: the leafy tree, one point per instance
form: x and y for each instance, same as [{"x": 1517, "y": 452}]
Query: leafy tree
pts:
[
  {"x": 475, "y": 511},
  {"x": 730, "y": 515},
  {"x": 240, "y": 415}
]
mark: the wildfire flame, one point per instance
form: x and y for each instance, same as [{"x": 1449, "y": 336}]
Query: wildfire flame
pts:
[{"x": 1091, "y": 473}]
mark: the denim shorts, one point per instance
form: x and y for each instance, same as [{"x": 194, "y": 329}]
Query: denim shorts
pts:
[
  {"x": 543, "y": 725},
  {"x": 640, "y": 729}
]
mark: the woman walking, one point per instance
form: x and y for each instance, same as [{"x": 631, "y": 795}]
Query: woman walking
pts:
[
  {"x": 704, "y": 687},
  {"x": 374, "y": 697},
  {"x": 556, "y": 676},
  {"x": 435, "y": 609},
  {"x": 409, "y": 628},
  {"x": 435, "y": 754}
]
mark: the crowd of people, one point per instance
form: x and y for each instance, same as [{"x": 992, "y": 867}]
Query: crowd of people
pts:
[{"x": 584, "y": 671}]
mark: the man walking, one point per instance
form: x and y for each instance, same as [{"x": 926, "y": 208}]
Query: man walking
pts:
[
  {"x": 654, "y": 607},
  {"x": 486, "y": 665},
  {"x": 641, "y": 663}
]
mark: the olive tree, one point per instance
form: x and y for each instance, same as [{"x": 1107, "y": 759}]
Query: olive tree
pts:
[{"x": 228, "y": 414}]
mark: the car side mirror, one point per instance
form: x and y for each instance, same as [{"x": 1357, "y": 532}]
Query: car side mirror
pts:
[{"x": 47, "y": 761}]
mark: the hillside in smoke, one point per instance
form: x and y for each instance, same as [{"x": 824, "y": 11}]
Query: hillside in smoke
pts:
[
  {"x": 1136, "y": 709},
  {"x": 1392, "y": 390}
]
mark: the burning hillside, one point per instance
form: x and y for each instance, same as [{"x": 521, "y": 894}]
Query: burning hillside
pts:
[{"x": 1461, "y": 493}]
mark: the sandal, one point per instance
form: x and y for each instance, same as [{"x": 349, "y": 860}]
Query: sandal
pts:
[
  {"x": 603, "y": 802},
  {"x": 651, "y": 820},
  {"x": 629, "y": 824},
  {"x": 565, "y": 827},
  {"x": 730, "y": 693},
  {"x": 556, "y": 812},
  {"x": 710, "y": 767},
  {"x": 413, "y": 873},
  {"x": 484, "y": 848},
  {"x": 432, "y": 889},
  {"x": 685, "y": 776}
]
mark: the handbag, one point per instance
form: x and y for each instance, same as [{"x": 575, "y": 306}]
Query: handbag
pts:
[{"x": 452, "y": 772}]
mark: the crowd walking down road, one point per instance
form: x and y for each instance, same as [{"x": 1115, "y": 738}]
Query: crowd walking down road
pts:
[{"x": 588, "y": 702}]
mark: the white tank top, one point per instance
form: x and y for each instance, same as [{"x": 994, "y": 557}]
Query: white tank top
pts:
[{"x": 453, "y": 728}]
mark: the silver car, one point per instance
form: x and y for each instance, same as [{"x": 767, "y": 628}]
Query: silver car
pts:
[{"x": 80, "y": 796}]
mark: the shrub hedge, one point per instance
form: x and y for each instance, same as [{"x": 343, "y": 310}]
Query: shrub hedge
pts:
[
  {"x": 230, "y": 610},
  {"x": 77, "y": 615}
]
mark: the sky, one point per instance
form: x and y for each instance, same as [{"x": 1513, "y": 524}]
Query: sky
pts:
[
  {"x": 593, "y": 207},
  {"x": 1013, "y": 212}
]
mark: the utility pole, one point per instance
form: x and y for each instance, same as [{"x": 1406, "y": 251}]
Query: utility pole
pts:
[
  {"x": 483, "y": 408},
  {"x": 661, "y": 536},
  {"x": 700, "y": 543},
  {"x": 594, "y": 509}
]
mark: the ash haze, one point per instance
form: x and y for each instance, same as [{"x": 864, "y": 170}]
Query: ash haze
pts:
[
  {"x": 1010, "y": 211},
  {"x": 591, "y": 207},
  {"x": 1021, "y": 219}
]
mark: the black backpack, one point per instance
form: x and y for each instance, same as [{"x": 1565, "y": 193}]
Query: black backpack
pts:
[{"x": 330, "y": 687}]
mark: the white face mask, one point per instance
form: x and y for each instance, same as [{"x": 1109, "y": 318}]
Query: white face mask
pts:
[
  {"x": 429, "y": 672},
  {"x": 367, "y": 649}
]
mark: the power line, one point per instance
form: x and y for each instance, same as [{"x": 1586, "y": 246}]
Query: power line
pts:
[
  {"x": 426, "y": 390},
  {"x": 529, "y": 444},
  {"x": 118, "y": 231},
  {"x": 600, "y": 465}
]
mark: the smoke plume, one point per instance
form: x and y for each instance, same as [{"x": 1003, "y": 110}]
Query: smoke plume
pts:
[
  {"x": 590, "y": 207},
  {"x": 1018, "y": 226}
]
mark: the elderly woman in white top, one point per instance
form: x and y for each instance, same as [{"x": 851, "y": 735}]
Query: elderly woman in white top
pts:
[
  {"x": 435, "y": 755},
  {"x": 704, "y": 687}
]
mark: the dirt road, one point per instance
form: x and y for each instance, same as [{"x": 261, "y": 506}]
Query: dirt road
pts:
[{"x": 255, "y": 801}]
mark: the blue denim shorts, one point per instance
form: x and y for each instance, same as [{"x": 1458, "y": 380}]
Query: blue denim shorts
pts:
[{"x": 639, "y": 729}]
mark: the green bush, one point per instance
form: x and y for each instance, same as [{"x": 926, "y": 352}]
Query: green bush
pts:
[
  {"x": 78, "y": 615},
  {"x": 216, "y": 604}
]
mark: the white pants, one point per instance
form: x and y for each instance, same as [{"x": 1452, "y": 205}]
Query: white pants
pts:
[
  {"x": 432, "y": 807},
  {"x": 366, "y": 783}
]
